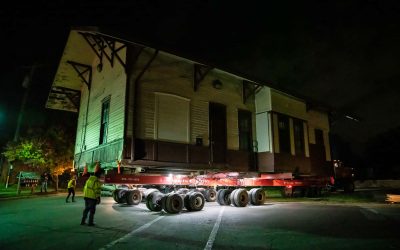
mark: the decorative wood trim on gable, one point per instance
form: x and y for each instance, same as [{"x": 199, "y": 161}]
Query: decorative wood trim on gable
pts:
[
  {"x": 146, "y": 66},
  {"x": 99, "y": 43},
  {"x": 82, "y": 69},
  {"x": 200, "y": 71},
  {"x": 250, "y": 89}
]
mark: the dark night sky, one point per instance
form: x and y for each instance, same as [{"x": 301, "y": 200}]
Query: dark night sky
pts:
[{"x": 342, "y": 54}]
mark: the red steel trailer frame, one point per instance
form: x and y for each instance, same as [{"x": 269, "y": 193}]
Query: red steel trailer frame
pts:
[
  {"x": 191, "y": 192},
  {"x": 229, "y": 179}
]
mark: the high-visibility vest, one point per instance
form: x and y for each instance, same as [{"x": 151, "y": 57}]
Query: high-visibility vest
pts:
[
  {"x": 92, "y": 188},
  {"x": 72, "y": 183}
]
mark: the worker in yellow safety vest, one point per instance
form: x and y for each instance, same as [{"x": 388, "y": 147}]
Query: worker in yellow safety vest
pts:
[
  {"x": 91, "y": 193},
  {"x": 71, "y": 188}
]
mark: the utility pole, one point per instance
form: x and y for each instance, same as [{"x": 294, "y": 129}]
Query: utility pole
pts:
[{"x": 25, "y": 84}]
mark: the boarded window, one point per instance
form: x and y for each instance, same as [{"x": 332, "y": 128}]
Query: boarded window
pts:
[
  {"x": 298, "y": 136},
  {"x": 172, "y": 116},
  {"x": 284, "y": 134},
  {"x": 105, "y": 111},
  {"x": 245, "y": 133}
]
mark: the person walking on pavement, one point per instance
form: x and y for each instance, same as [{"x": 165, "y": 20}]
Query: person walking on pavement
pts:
[
  {"x": 91, "y": 193},
  {"x": 71, "y": 188},
  {"x": 45, "y": 179}
]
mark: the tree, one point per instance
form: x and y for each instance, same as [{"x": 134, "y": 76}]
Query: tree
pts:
[
  {"x": 382, "y": 151},
  {"x": 29, "y": 151},
  {"x": 60, "y": 151},
  {"x": 45, "y": 150}
]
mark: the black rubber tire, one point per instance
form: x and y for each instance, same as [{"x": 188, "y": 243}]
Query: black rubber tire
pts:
[
  {"x": 147, "y": 192},
  {"x": 241, "y": 197},
  {"x": 164, "y": 204},
  {"x": 220, "y": 201},
  {"x": 182, "y": 191},
  {"x": 223, "y": 197},
  {"x": 133, "y": 197},
  {"x": 257, "y": 197},
  {"x": 211, "y": 195},
  {"x": 186, "y": 201},
  {"x": 250, "y": 195},
  {"x": 232, "y": 197},
  {"x": 195, "y": 201},
  {"x": 119, "y": 195},
  {"x": 173, "y": 203},
  {"x": 153, "y": 201},
  {"x": 115, "y": 195},
  {"x": 148, "y": 202}
]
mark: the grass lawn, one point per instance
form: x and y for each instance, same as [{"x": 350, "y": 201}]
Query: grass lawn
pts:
[{"x": 11, "y": 191}]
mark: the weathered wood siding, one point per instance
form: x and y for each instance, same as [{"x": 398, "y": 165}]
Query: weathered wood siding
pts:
[
  {"x": 110, "y": 82},
  {"x": 269, "y": 104},
  {"x": 319, "y": 120},
  {"x": 80, "y": 130},
  {"x": 288, "y": 105},
  {"x": 173, "y": 75}
]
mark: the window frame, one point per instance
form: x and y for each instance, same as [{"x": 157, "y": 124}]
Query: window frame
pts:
[
  {"x": 243, "y": 132},
  {"x": 298, "y": 134},
  {"x": 104, "y": 121},
  {"x": 284, "y": 134}
]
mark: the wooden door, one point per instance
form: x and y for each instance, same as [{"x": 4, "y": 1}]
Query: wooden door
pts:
[{"x": 217, "y": 126}]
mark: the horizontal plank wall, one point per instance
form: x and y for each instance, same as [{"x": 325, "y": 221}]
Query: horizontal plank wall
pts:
[
  {"x": 172, "y": 75},
  {"x": 288, "y": 105},
  {"x": 319, "y": 120},
  {"x": 109, "y": 83},
  {"x": 79, "y": 143}
]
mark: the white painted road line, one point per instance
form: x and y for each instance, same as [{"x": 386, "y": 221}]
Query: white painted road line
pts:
[
  {"x": 372, "y": 214},
  {"x": 372, "y": 210},
  {"x": 214, "y": 231},
  {"x": 131, "y": 233}
]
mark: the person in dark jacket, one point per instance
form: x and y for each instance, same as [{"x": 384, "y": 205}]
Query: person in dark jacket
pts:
[{"x": 45, "y": 179}]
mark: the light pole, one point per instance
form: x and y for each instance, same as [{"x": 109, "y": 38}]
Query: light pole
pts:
[
  {"x": 25, "y": 84},
  {"x": 10, "y": 167}
]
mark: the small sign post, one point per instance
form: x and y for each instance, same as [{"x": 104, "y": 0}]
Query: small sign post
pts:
[{"x": 19, "y": 183}]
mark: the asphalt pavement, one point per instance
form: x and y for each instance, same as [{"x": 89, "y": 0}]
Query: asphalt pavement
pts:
[{"x": 47, "y": 222}]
